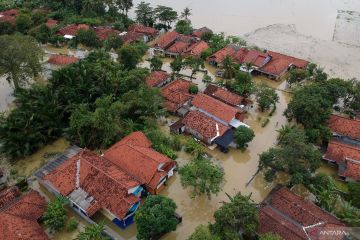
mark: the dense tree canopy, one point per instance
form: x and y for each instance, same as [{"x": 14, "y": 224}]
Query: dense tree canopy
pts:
[
  {"x": 145, "y": 14},
  {"x": 242, "y": 136},
  {"x": 266, "y": 97},
  {"x": 56, "y": 214},
  {"x": 156, "y": 217},
  {"x": 242, "y": 84},
  {"x": 203, "y": 233},
  {"x": 184, "y": 27},
  {"x": 131, "y": 54}
]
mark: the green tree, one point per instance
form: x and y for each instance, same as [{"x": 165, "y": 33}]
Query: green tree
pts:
[
  {"x": 186, "y": 13},
  {"x": 177, "y": 65},
  {"x": 203, "y": 176},
  {"x": 113, "y": 42},
  {"x": 41, "y": 33},
  {"x": 202, "y": 233},
  {"x": 145, "y": 14},
  {"x": 6, "y": 28},
  {"x": 242, "y": 84},
  {"x": 320, "y": 75},
  {"x": 297, "y": 75},
  {"x": 166, "y": 15},
  {"x": 195, "y": 64},
  {"x": 184, "y": 27},
  {"x": 72, "y": 225},
  {"x": 56, "y": 214},
  {"x": 193, "y": 89},
  {"x": 229, "y": 68},
  {"x": 20, "y": 58},
  {"x": 131, "y": 54},
  {"x": 156, "y": 217},
  {"x": 124, "y": 5},
  {"x": 354, "y": 194},
  {"x": 242, "y": 136},
  {"x": 23, "y": 22},
  {"x": 270, "y": 236},
  {"x": 266, "y": 97},
  {"x": 88, "y": 38},
  {"x": 93, "y": 232},
  {"x": 155, "y": 64},
  {"x": 194, "y": 148},
  {"x": 238, "y": 215}
]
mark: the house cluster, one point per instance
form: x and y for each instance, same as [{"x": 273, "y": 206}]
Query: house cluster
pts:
[
  {"x": 173, "y": 44},
  {"x": 270, "y": 64},
  {"x": 293, "y": 217},
  {"x": 344, "y": 148},
  {"x": 9, "y": 16},
  {"x": 20, "y": 215},
  {"x": 112, "y": 183},
  {"x": 211, "y": 116},
  {"x": 138, "y": 33}
]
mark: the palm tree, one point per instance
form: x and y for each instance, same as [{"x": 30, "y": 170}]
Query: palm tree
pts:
[
  {"x": 186, "y": 13},
  {"x": 229, "y": 68},
  {"x": 93, "y": 232}
]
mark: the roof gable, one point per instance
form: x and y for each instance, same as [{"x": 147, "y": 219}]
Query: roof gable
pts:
[
  {"x": 338, "y": 152},
  {"x": 345, "y": 126}
]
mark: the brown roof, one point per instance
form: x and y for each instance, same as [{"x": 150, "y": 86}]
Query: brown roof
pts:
[
  {"x": 131, "y": 37},
  {"x": 178, "y": 47},
  {"x": 144, "y": 30},
  {"x": 228, "y": 51},
  {"x": 224, "y": 95},
  {"x": 279, "y": 63},
  {"x": 19, "y": 218},
  {"x": 134, "y": 155},
  {"x": 199, "y": 32},
  {"x": 166, "y": 40},
  {"x": 51, "y": 23},
  {"x": 62, "y": 60},
  {"x": 104, "y": 32},
  {"x": 176, "y": 94},
  {"x": 204, "y": 125},
  {"x": 100, "y": 178},
  {"x": 345, "y": 126},
  {"x": 72, "y": 29},
  {"x": 157, "y": 77},
  {"x": 254, "y": 57},
  {"x": 8, "y": 194},
  {"x": 350, "y": 168},
  {"x": 286, "y": 214},
  {"x": 338, "y": 151},
  {"x": 10, "y": 12},
  {"x": 196, "y": 49},
  {"x": 214, "y": 107}
]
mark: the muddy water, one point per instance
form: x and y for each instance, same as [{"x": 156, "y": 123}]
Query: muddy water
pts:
[{"x": 237, "y": 17}]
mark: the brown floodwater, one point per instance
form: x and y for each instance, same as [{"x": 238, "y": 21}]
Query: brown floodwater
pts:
[{"x": 237, "y": 17}]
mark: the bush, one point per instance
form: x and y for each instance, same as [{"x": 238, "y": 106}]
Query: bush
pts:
[
  {"x": 113, "y": 42},
  {"x": 243, "y": 135},
  {"x": 193, "y": 89},
  {"x": 56, "y": 214},
  {"x": 40, "y": 33},
  {"x": 23, "y": 22},
  {"x": 71, "y": 225},
  {"x": 88, "y": 38},
  {"x": 6, "y": 28}
]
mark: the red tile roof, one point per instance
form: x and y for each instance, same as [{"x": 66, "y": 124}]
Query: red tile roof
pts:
[
  {"x": 345, "y": 126},
  {"x": 338, "y": 152},
  {"x": 103, "y": 32},
  {"x": 279, "y": 63},
  {"x": 8, "y": 194},
  {"x": 166, "y": 40},
  {"x": 214, "y": 107},
  {"x": 134, "y": 155},
  {"x": 228, "y": 51},
  {"x": 199, "y": 32},
  {"x": 351, "y": 169},
  {"x": 62, "y": 60},
  {"x": 9, "y": 19},
  {"x": 131, "y": 37},
  {"x": 254, "y": 57},
  {"x": 196, "y": 49},
  {"x": 100, "y": 178},
  {"x": 286, "y": 214},
  {"x": 224, "y": 95},
  {"x": 176, "y": 94},
  {"x": 157, "y": 77},
  {"x": 72, "y": 29},
  {"x": 204, "y": 125},
  {"x": 19, "y": 218},
  {"x": 178, "y": 47},
  {"x": 51, "y": 23},
  {"x": 10, "y": 12},
  {"x": 144, "y": 30}
]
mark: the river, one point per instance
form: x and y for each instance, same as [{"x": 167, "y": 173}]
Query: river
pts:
[{"x": 237, "y": 17}]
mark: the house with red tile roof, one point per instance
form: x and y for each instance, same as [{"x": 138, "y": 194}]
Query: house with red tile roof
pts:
[
  {"x": 71, "y": 30},
  {"x": 165, "y": 41},
  {"x": 227, "y": 97},
  {"x": 292, "y": 217},
  {"x": 217, "y": 110},
  {"x": 134, "y": 155},
  {"x": 337, "y": 152},
  {"x": 9, "y": 16},
  {"x": 203, "y": 127},
  {"x": 51, "y": 23},
  {"x": 198, "y": 33},
  {"x": 93, "y": 184},
  {"x": 104, "y": 32},
  {"x": 177, "y": 95},
  {"x": 280, "y": 64},
  {"x": 149, "y": 32},
  {"x": 345, "y": 127},
  {"x": 158, "y": 79},
  {"x": 256, "y": 58},
  {"x": 349, "y": 170},
  {"x": 181, "y": 43},
  {"x": 19, "y": 215},
  {"x": 218, "y": 58},
  {"x": 62, "y": 60},
  {"x": 195, "y": 49},
  {"x": 130, "y": 37}
]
